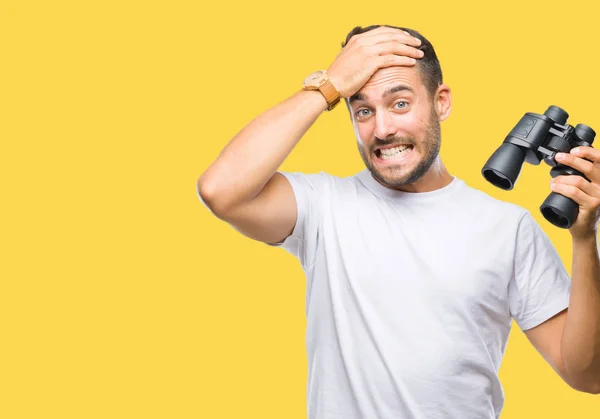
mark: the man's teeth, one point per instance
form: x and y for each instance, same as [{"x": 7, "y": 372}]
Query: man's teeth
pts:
[{"x": 390, "y": 153}]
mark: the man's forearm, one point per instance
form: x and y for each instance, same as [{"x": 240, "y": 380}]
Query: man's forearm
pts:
[
  {"x": 251, "y": 158},
  {"x": 581, "y": 335}
]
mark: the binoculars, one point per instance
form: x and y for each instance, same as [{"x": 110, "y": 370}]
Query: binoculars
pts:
[{"x": 535, "y": 138}]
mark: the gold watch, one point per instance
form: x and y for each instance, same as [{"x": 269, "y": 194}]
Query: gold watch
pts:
[{"x": 319, "y": 81}]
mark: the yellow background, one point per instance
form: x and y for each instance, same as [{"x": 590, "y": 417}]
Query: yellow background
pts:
[{"x": 121, "y": 295}]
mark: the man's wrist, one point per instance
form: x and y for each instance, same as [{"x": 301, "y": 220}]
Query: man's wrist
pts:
[
  {"x": 317, "y": 97},
  {"x": 587, "y": 238},
  {"x": 319, "y": 81}
]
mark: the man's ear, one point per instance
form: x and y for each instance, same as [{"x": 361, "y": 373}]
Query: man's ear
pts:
[{"x": 443, "y": 102}]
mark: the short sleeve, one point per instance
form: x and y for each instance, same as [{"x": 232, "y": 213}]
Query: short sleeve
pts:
[
  {"x": 308, "y": 191},
  {"x": 540, "y": 286}
]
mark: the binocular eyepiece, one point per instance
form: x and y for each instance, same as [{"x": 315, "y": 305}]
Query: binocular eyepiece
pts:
[{"x": 535, "y": 138}]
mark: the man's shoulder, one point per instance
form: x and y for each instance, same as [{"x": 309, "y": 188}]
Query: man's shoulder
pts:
[
  {"x": 494, "y": 206},
  {"x": 320, "y": 178}
]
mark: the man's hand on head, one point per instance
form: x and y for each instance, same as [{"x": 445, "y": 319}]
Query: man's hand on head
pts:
[{"x": 367, "y": 52}]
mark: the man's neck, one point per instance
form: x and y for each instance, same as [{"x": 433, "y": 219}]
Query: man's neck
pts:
[{"x": 436, "y": 177}]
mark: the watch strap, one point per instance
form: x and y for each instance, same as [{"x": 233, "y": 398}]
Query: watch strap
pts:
[{"x": 332, "y": 96}]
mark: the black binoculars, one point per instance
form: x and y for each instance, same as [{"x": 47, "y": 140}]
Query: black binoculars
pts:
[{"x": 534, "y": 138}]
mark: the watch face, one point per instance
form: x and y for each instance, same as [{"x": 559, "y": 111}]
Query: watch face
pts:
[{"x": 311, "y": 79}]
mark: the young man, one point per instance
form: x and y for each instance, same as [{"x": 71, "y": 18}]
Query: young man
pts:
[{"x": 413, "y": 276}]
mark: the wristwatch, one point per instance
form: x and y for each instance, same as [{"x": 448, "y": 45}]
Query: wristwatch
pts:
[{"x": 319, "y": 81}]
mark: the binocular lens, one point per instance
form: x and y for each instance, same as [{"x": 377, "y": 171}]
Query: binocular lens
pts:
[
  {"x": 497, "y": 179},
  {"x": 555, "y": 218},
  {"x": 559, "y": 210},
  {"x": 504, "y": 166}
]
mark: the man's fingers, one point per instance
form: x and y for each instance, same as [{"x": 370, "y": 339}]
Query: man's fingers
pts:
[
  {"x": 396, "y": 36},
  {"x": 395, "y": 60},
  {"x": 362, "y": 37},
  {"x": 378, "y": 31},
  {"x": 584, "y": 166},
  {"x": 396, "y": 48},
  {"x": 588, "y": 153},
  {"x": 578, "y": 189}
]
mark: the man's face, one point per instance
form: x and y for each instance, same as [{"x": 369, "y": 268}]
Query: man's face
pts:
[{"x": 396, "y": 125}]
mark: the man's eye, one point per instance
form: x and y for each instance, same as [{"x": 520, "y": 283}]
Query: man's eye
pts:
[
  {"x": 404, "y": 104},
  {"x": 363, "y": 112}
]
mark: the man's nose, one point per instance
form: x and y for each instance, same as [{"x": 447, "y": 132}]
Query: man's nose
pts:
[{"x": 384, "y": 125}]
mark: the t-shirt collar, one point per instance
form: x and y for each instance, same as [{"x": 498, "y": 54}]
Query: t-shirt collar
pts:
[{"x": 373, "y": 185}]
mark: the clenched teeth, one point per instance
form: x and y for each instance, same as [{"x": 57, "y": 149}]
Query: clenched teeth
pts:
[{"x": 387, "y": 153}]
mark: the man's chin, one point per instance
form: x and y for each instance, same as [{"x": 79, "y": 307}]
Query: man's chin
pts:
[
  {"x": 394, "y": 182},
  {"x": 394, "y": 168},
  {"x": 392, "y": 176},
  {"x": 398, "y": 175}
]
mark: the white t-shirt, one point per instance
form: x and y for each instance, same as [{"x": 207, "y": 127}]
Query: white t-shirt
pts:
[{"x": 410, "y": 296}]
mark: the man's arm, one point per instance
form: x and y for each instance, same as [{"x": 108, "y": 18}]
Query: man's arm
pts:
[
  {"x": 242, "y": 188},
  {"x": 575, "y": 333},
  {"x": 546, "y": 338},
  {"x": 570, "y": 341},
  {"x": 581, "y": 336}
]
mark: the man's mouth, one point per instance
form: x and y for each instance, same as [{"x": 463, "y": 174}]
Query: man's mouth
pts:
[{"x": 392, "y": 152}]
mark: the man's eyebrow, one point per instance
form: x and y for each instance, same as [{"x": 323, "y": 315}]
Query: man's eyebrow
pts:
[
  {"x": 398, "y": 88},
  {"x": 362, "y": 97},
  {"x": 357, "y": 96}
]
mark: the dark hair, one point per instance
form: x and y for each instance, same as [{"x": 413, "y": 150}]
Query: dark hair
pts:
[{"x": 429, "y": 65}]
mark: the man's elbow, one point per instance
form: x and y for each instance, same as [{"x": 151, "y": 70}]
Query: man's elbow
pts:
[
  {"x": 593, "y": 388},
  {"x": 589, "y": 388},
  {"x": 208, "y": 194},
  {"x": 586, "y": 385}
]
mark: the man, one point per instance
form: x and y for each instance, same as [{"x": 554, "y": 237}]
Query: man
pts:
[{"x": 413, "y": 277}]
